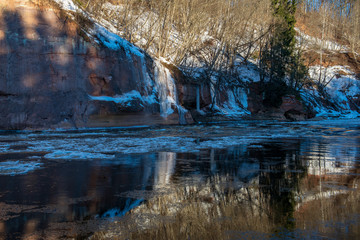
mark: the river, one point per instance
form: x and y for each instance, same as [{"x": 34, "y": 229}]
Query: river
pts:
[{"x": 234, "y": 180}]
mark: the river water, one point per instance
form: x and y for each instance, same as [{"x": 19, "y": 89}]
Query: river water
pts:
[{"x": 237, "y": 180}]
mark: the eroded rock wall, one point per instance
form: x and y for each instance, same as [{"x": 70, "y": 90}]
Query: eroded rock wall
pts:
[
  {"x": 51, "y": 77},
  {"x": 48, "y": 74}
]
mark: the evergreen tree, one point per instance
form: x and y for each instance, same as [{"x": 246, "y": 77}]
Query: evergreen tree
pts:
[
  {"x": 282, "y": 42},
  {"x": 280, "y": 58}
]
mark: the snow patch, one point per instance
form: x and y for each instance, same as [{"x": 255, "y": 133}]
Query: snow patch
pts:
[
  {"x": 342, "y": 87},
  {"x": 126, "y": 98},
  {"x": 309, "y": 42},
  {"x": 248, "y": 73},
  {"x": 115, "y": 42},
  {"x": 67, "y": 5}
]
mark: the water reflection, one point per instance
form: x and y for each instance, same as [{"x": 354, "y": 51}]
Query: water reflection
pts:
[
  {"x": 283, "y": 188},
  {"x": 164, "y": 169}
]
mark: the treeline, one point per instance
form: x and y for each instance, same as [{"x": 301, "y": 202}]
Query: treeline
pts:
[
  {"x": 337, "y": 20},
  {"x": 209, "y": 39},
  {"x": 213, "y": 33}
]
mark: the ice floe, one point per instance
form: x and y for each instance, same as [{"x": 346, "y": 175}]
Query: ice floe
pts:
[
  {"x": 13, "y": 168},
  {"x": 77, "y": 155}
]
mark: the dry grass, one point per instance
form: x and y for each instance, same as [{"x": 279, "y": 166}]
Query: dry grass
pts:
[{"x": 194, "y": 213}]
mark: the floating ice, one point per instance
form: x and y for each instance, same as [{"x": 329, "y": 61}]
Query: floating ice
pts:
[
  {"x": 13, "y": 168},
  {"x": 77, "y": 155}
]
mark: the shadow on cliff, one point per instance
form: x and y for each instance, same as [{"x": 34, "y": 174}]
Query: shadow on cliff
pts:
[
  {"x": 43, "y": 80},
  {"x": 47, "y": 72},
  {"x": 38, "y": 50}
]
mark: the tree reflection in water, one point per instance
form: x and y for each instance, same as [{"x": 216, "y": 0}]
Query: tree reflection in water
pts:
[
  {"x": 265, "y": 191},
  {"x": 288, "y": 188}
]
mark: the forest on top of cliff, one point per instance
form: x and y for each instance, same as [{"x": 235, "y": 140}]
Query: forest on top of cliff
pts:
[
  {"x": 216, "y": 33},
  {"x": 241, "y": 52},
  {"x": 211, "y": 40}
]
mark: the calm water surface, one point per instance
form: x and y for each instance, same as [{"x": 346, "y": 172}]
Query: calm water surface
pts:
[{"x": 247, "y": 180}]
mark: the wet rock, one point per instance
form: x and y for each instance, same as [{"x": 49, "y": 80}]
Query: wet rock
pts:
[
  {"x": 187, "y": 95},
  {"x": 290, "y": 102},
  {"x": 188, "y": 117},
  {"x": 294, "y": 115},
  {"x": 255, "y": 98},
  {"x": 100, "y": 85},
  {"x": 17, "y": 120},
  {"x": 133, "y": 105}
]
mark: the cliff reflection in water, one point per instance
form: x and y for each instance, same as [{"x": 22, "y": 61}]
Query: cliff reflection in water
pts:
[{"x": 284, "y": 188}]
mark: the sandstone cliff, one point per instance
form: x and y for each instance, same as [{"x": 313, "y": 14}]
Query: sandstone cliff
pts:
[
  {"x": 65, "y": 70},
  {"x": 51, "y": 77}
]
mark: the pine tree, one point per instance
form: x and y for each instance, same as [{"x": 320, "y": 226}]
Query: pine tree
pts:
[
  {"x": 282, "y": 43},
  {"x": 280, "y": 57}
]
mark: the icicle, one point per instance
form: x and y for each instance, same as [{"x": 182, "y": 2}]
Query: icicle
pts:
[
  {"x": 167, "y": 93},
  {"x": 182, "y": 111},
  {"x": 198, "y": 98}
]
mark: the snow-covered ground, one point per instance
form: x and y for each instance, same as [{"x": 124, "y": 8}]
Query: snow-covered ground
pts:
[
  {"x": 342, "y": 88},
  {"x": 309, "y": 42},
  {"x": 67, "y": 5}
]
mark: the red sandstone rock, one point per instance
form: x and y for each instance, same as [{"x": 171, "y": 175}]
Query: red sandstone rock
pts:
[
  {"x": 290, "y": 102},
  {"x": 47, "y": 73}
]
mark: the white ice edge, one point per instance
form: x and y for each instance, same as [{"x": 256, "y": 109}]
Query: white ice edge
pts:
[
  {"x": 12, "y": 168},
  {"x": 126, "y": 98}
]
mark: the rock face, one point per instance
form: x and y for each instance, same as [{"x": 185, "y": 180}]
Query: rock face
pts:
[
  {"x": 291, "y": 108},
  {"x": 51, "y": 77},
  {"x": 48, "y": 76}
]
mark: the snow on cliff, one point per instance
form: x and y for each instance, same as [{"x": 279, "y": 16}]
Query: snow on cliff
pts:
[
  {"x": 104, "y": 31},
  {"x": 67, "y": 5},
  {"x": 310, "y": 42},
  {"x": 165, "y": 93},
  {"x": 342, "y": 88},
  {"x": 341, "y": 84}
]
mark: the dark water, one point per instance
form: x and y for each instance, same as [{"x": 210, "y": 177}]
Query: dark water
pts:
[{"x": 250, "y": 180}]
